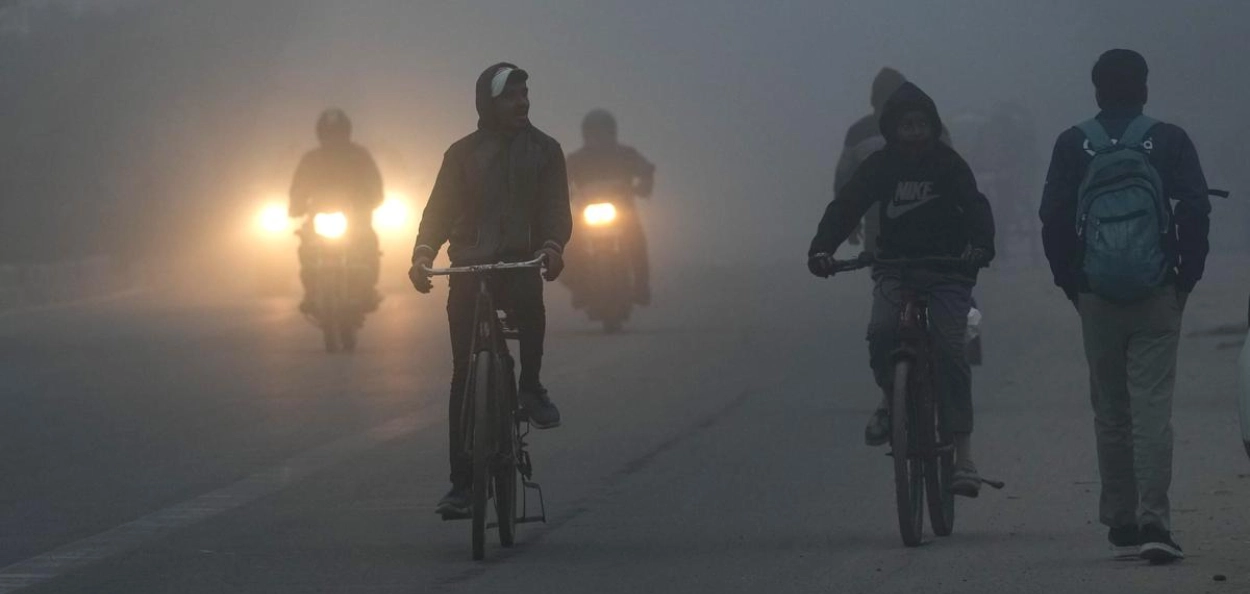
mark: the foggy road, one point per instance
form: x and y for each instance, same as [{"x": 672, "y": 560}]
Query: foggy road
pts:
[{"x": 714, "y": 446}]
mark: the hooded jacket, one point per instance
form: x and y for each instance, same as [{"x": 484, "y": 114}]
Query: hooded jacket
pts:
[
  {"x": 928, "y": 205},
  {"x": 498, "y": 197},
  {"x": 1173, "y": 156}
]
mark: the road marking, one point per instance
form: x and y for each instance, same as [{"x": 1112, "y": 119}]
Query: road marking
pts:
[
  {"x": 131, "y": 535},
  {"x": 73, "y": 303}
]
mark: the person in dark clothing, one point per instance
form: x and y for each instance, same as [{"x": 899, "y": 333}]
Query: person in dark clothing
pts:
[
  {"x": 928, "y": 203},
  {"x": 603, "y": 164},
  {"x": 863, "y": 139},
  {"x": 339, "y": 175},
  {"x": 1131, "y": 347},
  {"x": 501, "y": 195}
]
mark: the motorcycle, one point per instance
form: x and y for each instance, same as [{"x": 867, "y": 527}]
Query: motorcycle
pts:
[
  {"x": 604, "y": 285},
  {"x": 338, "y": 292}
]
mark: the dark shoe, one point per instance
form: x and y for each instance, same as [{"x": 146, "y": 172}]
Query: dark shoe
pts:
[
  {"x": 1125, "y": 542},
  {"x": 454, "y": 503},
  {"x": 965, "y": 481},
  {"x": 538, "y": 408},
  {"x": 1157, "y": 546},
  {"x": 878, "y": 430}
]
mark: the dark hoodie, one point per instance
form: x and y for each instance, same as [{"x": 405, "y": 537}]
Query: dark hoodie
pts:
[
  {"x": 497, "y": 197},
  {"x": 928, "y": 205}
]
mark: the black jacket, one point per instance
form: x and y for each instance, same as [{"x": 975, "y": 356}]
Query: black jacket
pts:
[
  {"x": 928, "y": 206},
  {"x": 497, "y": 197},
  {"x": 618, "y": 166},
  {"x": 336, "y": 176},
  {"x": 1173, "y": 155}
]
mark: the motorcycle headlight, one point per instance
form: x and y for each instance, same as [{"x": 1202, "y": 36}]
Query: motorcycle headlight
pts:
[
  {"x": 272, "y": 219},
  {"x": 392, "y": 214},
  {"x": 597, "y": 215},
  {"x": 330, "y": 225}
]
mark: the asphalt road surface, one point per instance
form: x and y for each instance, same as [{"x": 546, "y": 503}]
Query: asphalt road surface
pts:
[{"x": 155, "y": 443}]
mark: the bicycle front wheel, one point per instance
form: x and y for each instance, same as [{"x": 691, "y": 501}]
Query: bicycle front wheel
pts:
[
  {"x": 506, "y": 476},
  {"x": 483, "y": 446},
  {"x": 908, "y": 466},
  {"x": 938, "y": 453}
]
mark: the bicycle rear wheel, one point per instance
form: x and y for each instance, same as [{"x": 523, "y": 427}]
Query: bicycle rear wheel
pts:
[
  {"x": 483, "y": 436},
  {"x": 908, "y": 467},
  {"x": 506, "y": 476}
]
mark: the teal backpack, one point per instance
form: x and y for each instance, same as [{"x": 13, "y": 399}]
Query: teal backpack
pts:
[{"x": 1122, "y": 215}]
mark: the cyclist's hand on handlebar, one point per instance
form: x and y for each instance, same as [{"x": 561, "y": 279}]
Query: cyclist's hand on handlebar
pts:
[
  {"x": 553, "y": 261},
  {"x": 821, "y": 265},
  {"x": 417, "y": 274},
  {"x": 978, "y": 257}
]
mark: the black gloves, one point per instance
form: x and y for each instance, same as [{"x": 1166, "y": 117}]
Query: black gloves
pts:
[
  {"x": 553, "y": 257},
  {"x": 820, "y": 264},
  {"x": 422, "y": 258},
  {"x": 978, "y": 258}
]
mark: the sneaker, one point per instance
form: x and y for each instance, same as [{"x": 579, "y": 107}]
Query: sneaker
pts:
[
  {"x": 1125, "y": 542},
  {"x": 878, "y": 430},
  {"x": 454, "y": 503},
  {"x": 965, "y": 481},
  {"x": 1157, "y": 546},
  {"x": 539, "y": 409}
]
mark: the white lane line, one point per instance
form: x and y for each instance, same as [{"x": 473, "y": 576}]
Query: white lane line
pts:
[
  {"x": 159, "y": 524},
  {"x": 73, "y": 303}
]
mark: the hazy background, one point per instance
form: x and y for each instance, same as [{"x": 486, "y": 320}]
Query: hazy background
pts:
[{"x": 149, "y": 127}]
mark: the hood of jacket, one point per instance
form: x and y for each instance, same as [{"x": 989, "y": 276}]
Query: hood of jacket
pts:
[
  {"x": 484, "y": 96},
  {"x": 907, "y": 98}
]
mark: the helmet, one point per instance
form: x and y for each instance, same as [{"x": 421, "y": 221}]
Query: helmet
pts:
[
  {"x": 333, "y": 126},
  {"x": 599, "y": 127}
]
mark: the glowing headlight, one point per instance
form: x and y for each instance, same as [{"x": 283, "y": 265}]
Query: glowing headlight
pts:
[
  {"x": 597, "y": 215},
  {"x": 393, "y": 213},
  {"x": 331, "y": 225},
  {"x": 272, "y": 219}
]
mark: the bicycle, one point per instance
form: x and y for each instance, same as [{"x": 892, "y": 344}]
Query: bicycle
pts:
[
  {"x": 494, "y": 426},
  {"x": 923, "y": 453}
]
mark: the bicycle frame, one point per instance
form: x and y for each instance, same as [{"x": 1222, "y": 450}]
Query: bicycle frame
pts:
[{"x": 499, "y": 448}]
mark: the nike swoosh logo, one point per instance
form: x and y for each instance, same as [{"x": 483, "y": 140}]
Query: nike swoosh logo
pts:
[{"x": 897, "y": 209}]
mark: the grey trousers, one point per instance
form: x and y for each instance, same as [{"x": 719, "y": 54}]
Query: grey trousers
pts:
[
  {"x": 1131, "y": 350},
  {"x": 949, "y": 300}
]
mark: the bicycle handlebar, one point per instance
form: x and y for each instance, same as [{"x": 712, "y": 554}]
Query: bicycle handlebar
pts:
[
  {"x": 480, "y": 268},
  {"x": 867, "y": 259}
]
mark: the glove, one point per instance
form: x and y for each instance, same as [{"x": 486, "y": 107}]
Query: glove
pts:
[
  {"x": 553, "y": 260},
  {"x": 820, "y": 264},
  {"x": 978, "y": 257},
  {"x": 421, "y": 259}
]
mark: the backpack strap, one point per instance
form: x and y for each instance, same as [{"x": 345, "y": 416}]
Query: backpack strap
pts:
[
  {"x": 1135, "y": 135},
  {"x": 1099, "y": 141}
]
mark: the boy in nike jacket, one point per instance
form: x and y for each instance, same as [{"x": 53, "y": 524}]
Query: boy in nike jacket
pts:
[{"x": 929, "y": 206}]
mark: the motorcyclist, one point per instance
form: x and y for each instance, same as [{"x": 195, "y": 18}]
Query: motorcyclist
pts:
[
  {"x": 604, "y": 162},
  {"x": 338, "y": 176},
  {"x": 502, "y": 194}
]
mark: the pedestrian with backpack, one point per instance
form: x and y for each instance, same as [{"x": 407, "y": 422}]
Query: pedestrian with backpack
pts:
[{"x": 1124, "y": 225}]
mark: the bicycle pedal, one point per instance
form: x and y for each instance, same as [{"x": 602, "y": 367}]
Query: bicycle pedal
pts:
[
  {"x": 449, "y": 517},
  {"x": 993, "y": 483}
]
